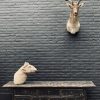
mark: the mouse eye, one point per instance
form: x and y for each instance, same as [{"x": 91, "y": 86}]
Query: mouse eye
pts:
[{"x": 29, "y": 66}]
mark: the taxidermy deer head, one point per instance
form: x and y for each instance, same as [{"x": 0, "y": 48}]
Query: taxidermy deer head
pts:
[{"x": 73, "y": 24}]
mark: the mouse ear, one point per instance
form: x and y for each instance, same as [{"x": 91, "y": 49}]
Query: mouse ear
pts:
[{"x": 26, "y": 63}]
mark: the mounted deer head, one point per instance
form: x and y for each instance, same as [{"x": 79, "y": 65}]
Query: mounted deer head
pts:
[{"x": 73, "y": 24}]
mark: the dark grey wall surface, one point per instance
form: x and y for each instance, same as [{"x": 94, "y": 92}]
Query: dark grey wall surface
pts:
[{"x": 34, "y": 31}]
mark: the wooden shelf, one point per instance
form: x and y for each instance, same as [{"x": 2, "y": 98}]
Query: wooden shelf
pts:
[{"x": 60, "y": 84}]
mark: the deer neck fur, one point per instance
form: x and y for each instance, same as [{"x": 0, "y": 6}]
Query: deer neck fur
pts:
[
  {"x": 73, "y": 19},
  {"x": 73, "y": 24}
]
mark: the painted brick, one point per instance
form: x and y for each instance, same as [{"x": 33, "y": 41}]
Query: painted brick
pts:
[{"x": 34, "y": 31}]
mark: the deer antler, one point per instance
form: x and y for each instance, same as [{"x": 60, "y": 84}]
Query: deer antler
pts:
[
  {"x": 69, "y": 1},
  {"x": 79, "y": 1}
]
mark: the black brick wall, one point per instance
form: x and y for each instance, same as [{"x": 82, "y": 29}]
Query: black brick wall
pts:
[{"x": 34, "y": 31}]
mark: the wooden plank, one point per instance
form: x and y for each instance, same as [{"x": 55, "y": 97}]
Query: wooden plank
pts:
[{"x": 60, "y": 84}]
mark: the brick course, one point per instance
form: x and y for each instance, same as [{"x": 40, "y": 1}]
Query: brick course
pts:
[{"x": 34, "y": 31}]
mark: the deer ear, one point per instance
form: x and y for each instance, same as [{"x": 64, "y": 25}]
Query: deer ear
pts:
[
  {"x": 68, "y": 4},
  {"x": 81, "y": 4}
]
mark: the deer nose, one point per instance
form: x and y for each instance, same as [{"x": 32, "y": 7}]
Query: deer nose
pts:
[{"x": 75, "y": 13}]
